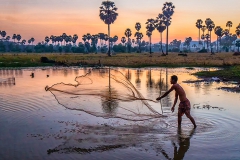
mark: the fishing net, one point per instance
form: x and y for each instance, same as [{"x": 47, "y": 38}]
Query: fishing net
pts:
[{"x": 105, "y": 93}]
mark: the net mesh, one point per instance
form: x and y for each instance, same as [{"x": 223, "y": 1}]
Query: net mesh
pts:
[{"x": 105, "y": 93}]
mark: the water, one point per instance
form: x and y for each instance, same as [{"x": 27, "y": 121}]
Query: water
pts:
[{"x": 35, "y": 126}]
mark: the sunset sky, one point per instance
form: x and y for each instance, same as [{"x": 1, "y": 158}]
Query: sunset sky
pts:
[{"x": 40, "y": 18}]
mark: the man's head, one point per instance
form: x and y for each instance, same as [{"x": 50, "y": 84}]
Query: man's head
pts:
[{"x": 174, "y": 79}]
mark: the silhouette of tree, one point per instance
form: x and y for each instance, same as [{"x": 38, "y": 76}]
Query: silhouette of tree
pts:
[
  {"x": 101, "y": 37},
  {"x": 3, "y": 34},
  {"x": 199, "y": 26},
  {"x": 139, "y": 37},
  {"x": 219, "y": 32},
  {"x": 64, "y": 36},
  {"x": 74, "y": 39},
  {"x": 150, "y": 28},
  {"x": 88, "y": 36},
  {"x": 160, "y": 26},
  {"x": 138, "y": 26},
  {"x": 32, "y": 40},
  {"x": 19, "y": 37},
  {"x": 168, "y": 10},
  {"x": 128, "y": 34},
  {"x": 210, "y": 26},
  {"x": 229, "y": 25},
  {"x": 238, "y": 44},
  {"x": 108, "y": 14},
  {"x": 123, "y": 40},
  {"x": 14, "y": 37},
  {"x": 188, "y": 42},
  {"x": 207, "y": 37},
  {"x": 226, "y": 32},
  {"x": 47, "y": 39}
]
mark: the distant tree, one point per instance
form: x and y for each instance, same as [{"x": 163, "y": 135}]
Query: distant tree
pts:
[
  {"x": 74, "y": 38},
  {"x": 175, "y": 44},
  {"x": 188, "y": 42},
  {"x": 238, "y": 44},
  {"x": 128, "y": 34},
  {"x": 14, "y": 37},
  {"x": 139, "y": 37},
  {"x": 123, "y": 40},
  {"x": 229, "y": 25},
  {"x": 199, "y": 26},
  {"x": 138, "y": 26},
  {"x": 32, "y": 40},
  {"x": 101, "y": 37},
  {"x": 160, "y": 26},
  {"x": 238, "y": 30},
  {"x": 210, "y": 26},
  {"x": 219, "y": 32},
  {"x": 150, "y": 28},
  {"x": 64, "y": 36},
  {"x": 207, "y": 37},
  {"x": 168, "y": 10},
  {"x": 19, "y": 37},
  {"x": 47, "y": 39},
  {"x": 108, "y": 14},
  {"x": 3, "y": 34}
]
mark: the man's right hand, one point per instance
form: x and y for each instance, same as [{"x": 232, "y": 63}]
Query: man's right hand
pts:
[{"x": 172, "y": 109}]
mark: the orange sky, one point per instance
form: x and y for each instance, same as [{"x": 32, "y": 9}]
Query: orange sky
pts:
[{"x": 40, "y": 18}]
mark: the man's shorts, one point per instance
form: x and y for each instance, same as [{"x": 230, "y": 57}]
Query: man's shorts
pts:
[{"x": 184, "y": 106}]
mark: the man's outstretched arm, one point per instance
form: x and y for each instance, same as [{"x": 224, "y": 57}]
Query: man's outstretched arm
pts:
[{"x": 165, "y": 94}]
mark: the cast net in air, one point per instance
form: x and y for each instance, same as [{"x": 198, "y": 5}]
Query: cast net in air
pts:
[{"x": 105, "y": 93}]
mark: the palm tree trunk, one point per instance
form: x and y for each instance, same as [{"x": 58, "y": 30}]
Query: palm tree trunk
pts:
[
  {"x": 109, "y": 54},
  {"x": 161, "y": 43},
  {"x": 199, "y": 38},
  {"x": 167, "y": 42},
  {"x": 150, "y": 45},
  {"x": 217, "y": 43},
  {"x": 210, "y": 42}
]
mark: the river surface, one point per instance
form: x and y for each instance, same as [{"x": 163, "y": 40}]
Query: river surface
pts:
[{"x": 33, "y": 125}]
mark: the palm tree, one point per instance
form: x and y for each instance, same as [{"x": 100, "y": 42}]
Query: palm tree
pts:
[
  {"x": 123, "y": 40},
  {"x": 219, "y": 32},
  {"x": 32, "y": 40},
  {"x": 229, "y": 24},
  {"x": 139, "y": 37},
  {"x": 19, "y": 37},
  {"x": 207, "y": 37},
  {"x": 199, "y": 26},
  {"x": 89, "y": 36},
  {"x": 210, "y": 26},
  {"x": 47, "y": 39},
  {"x": 138, "y": 26},
  {"x": 238, "y": 32},
  {"x": 101, "y": 37},
  {"x": 160, "y": 27},
  {"x": 108, "y": 15},
  {"x": 238, "y": 44},
  {"x": 128, "y": 34},
  {"x": 14, "y": 37},
  {"x": 75, "y": 38},
  {"x": 150, "y": 28},
  {"x": 226, "y": 32},
  {"x": 188, "y": 42},
  {"x": 64, "y": 36},
  {"x": 168, "y": 10},
  {"x": 23, "y": 42},
  {"x": 3, "y": 34}
]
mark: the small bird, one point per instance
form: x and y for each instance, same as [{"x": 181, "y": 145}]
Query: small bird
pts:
[{"x": 47, "y": 75}]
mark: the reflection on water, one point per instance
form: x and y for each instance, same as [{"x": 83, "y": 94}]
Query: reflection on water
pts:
[{"x": 33, "y": 124}]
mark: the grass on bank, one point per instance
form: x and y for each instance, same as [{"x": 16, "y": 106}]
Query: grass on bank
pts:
[
  {"x": 229, "y": 73},
  {"x": 122, "y": 60}
]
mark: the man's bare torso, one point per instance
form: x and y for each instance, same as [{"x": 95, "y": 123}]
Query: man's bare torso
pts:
[{"x": 180, "y": 92}]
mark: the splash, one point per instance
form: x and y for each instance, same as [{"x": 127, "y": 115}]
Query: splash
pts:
[{"x": 105, "y": 93}]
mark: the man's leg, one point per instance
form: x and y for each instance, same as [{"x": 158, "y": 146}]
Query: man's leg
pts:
[
  {"x": 179, "y": 118},
  {"x": 191, "y": 118}
]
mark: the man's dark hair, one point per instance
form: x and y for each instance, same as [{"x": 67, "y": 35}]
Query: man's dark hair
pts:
[{"x": 175, "y": 78}]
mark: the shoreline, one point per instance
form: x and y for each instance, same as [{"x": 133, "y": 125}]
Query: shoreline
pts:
[{"x": 230, "y": 64}]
